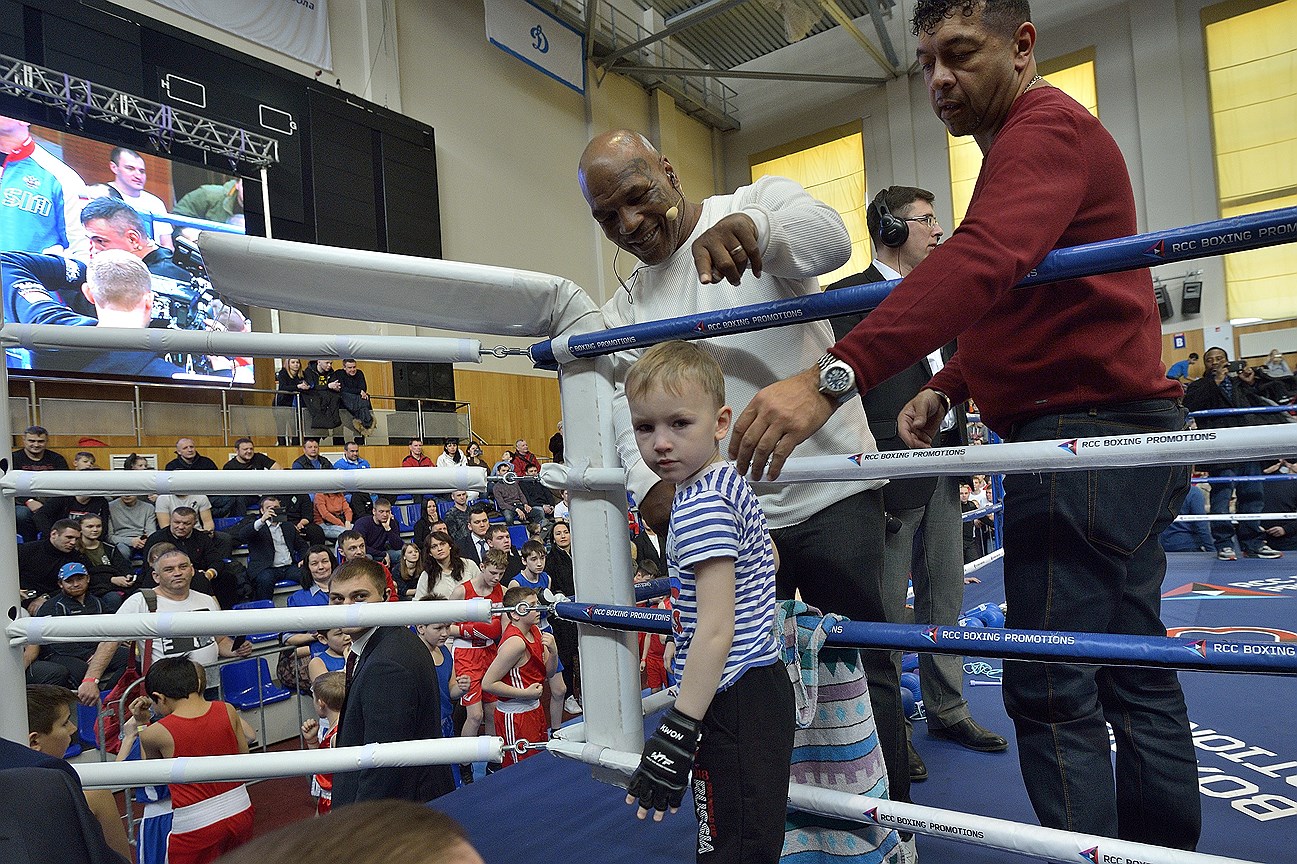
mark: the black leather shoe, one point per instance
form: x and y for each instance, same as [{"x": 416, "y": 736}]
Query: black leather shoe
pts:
[
  {"x": 966, "y": 733},
  {"x": 918, "y": 771}
]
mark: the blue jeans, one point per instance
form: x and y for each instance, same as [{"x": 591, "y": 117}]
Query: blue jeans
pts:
[
  {"x": 1082, "y": 554},
  {"x": 1251, "y": 499}
]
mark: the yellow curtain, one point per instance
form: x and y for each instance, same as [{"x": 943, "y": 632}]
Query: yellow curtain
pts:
[
  {"x": 1075, "y": 80},
  {"x": 833, "y": 172},
  {"x": 1252, "y": 77}
]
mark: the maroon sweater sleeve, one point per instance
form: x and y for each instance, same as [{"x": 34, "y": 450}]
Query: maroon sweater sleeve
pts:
[{"x": 1053, "y": 178}]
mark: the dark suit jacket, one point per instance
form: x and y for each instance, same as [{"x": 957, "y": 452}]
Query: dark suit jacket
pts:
[
  {"x": 43, "y": 813},
  {"x": 468, "y": 549},
  {"x": 261, "y": 546},
  {"x": 394, "y": 696},
  {"x": 884, "y": 403}
]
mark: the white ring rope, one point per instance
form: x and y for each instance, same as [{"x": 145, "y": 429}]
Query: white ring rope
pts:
[
  {"x": 390, "y": 480},
  {"x": 289, "y": 763},
  {"x": 974, "y": 566},
  {"x": 984, "y": 831},
  {"x": 1064, "y": 454},
  {"x": 653, "y": 703},
  {"x": 427, "y": 349},
  {"x": 299, "y": 619},
  {"x": 1236, "y": 517}
]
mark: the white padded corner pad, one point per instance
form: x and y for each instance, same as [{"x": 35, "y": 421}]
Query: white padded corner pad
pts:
[{"x": 377, "y": 286}]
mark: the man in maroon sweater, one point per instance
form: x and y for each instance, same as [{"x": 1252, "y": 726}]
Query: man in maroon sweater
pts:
[{"x": 1073, "y": 359}]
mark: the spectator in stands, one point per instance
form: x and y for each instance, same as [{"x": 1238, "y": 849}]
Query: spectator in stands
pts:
[
  {"x": 323, "y": 402},
  {"x": 423, "y": 527},
  {"x": 113, "y": 224},
  {"x": 74, "y": 507},
  {"x": 523, "y": 458},
  {"x": 299, "y": 509},
  {"x": 498, "y": 537},
  {"x": 317, "y": 567},
  {"x": 354, "y": 393},
  {"x": 1179, "y": 371},
  {"x": 974, "y": 545},
  {"x": 650, "y": 546},
  {"x": 450, "y": 456},
  {"x": 475, "y": 545},
  {"x": 134, "y": 462},
  {"x": 332, "y": 514},
  {"x": 512, "y": 504},
  {"x": 130, "y": 173},
  {"x": 85, "y": 461},
  {"x": 1280, "y": 385},
  {"x": 200, "y": 504},
  {"x": 75, "y": 598},
  {"x": 541, "y": 499},
  {"x": 110, "y": 571},
  {"x": 416, "y": 457},
  {"x": 1223, "y": 387},
  {"x": 506, "y": 461},
  {"x": 558, "y": 564},
  {"x": 382, "y": 534},
  {"x": 173, "y": 574},
  {"x": 132, "y": 522},
  {"x": 1281, "y": 497},
  {"x": 290, "y": 384},
  {"x": 34, "y": 456},
  {"x": 445, "y": 565},
  {"x": 474, "y": 458},
  {"x": 456, "y": 517},
  {"x": 51, "y": 719},
  {"x": 40, "y": 561},
  {"x": 410, "y": 570},
  {"x": 311, "y": 460},
  {"x": 189, "y": 459},
  {"x": 1189, "y": 536},
  {"x": 361, "y": 503},
  {"x": 246, "y": 458},
  {"x": 274, "y": 547},
  {"x": 213, "y": 573},
  {"x": 556, "y": 444},
  {"x": 215, "y": 202}
]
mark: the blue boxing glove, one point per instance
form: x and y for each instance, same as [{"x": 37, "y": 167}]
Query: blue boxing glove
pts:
[{"x": 659, "y": 781}]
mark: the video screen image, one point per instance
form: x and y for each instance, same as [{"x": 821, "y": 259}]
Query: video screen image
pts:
[{"x": 93, "y": 234}]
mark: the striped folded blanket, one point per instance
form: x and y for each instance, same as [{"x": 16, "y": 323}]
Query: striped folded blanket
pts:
[{"x": 835, "y": 745}]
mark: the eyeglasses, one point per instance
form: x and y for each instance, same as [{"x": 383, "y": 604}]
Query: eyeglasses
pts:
[{"x": 929, "y": 220}]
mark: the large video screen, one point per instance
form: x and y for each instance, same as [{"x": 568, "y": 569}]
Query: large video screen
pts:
[{"x": 93, "y": 234}]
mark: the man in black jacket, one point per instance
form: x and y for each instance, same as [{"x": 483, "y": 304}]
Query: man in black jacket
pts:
[
  {"x": 927, "y": 542},
  {"x": 213, "y": 574},
  {"x": 392, "y": 695},
  {"x": 189, "y": 459},
  {"x": 40, "y": 560},
  {"x": 1227, "y": 385},
  {"x": 274, "y": 547}
]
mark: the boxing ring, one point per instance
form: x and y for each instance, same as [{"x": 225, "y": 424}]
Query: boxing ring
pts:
[{"x": 518, "y": 303}]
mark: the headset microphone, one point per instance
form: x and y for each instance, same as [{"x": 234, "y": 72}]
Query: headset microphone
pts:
[{"x": 674, "y": 210}]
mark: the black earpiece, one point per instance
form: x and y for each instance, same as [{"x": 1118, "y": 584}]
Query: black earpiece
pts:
[{"x": 892, "y": 232}]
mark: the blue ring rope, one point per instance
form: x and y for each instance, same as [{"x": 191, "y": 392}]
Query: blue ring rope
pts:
[
  {"x": 1236, "y": 234},
  {"x": 1045, "y": 646}
]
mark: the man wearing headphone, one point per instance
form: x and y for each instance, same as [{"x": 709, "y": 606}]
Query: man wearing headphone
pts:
[{"x": 927, "y": 540}]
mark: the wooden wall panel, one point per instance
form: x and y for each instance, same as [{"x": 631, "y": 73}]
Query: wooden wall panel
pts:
[
  {"x": 1193, "y": 344},
  {"x": 507, "y": 407},
  {"x": 1286, "y": 324}
]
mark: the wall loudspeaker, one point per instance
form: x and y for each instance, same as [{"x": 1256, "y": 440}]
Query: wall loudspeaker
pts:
[{"x": 1191, "y": 298}]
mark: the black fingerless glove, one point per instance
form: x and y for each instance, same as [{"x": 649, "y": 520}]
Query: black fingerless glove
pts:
[{"x": 659, "y": 781}]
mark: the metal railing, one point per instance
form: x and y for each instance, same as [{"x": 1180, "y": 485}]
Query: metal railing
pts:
[{"x": 228, "y": 412}]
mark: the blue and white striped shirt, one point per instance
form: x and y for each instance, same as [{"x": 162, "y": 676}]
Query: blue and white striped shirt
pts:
[{"x": 718, "y": 516}]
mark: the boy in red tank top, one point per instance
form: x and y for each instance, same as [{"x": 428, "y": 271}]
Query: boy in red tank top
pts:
[
  {"x": 525, "y": 658},
  {"x": 476, "y": 641},
  {"x": 209, "y": 819}
]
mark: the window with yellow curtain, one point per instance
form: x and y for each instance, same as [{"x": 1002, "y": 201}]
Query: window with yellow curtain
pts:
[
  {"x": 831, "y": 167},
  {"x": 1072, "y": 73},
  {"x": 1252, "y": 79}
]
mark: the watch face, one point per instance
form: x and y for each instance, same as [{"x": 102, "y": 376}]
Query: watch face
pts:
[{"x": 837, "y": 379}]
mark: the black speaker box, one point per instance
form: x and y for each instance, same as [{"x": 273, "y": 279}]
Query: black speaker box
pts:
[
  {"x": 1163, "y": 301},
  {"x": 423, "y": 381},
  {"x": 1191, "y": 298}
]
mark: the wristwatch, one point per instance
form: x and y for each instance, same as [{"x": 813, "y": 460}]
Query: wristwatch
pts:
[{"x": 837, "y": 379}]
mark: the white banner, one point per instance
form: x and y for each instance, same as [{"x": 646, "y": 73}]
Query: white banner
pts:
[
  {"x": 538, "y": 39},
  {"x": 298, "y": 28}
]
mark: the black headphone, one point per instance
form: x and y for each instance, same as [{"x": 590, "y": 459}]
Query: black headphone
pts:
[{"x": 892, "y": 232}]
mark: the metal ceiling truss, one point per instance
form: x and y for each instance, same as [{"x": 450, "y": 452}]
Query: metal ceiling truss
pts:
[{"x": 80, "y": 99}]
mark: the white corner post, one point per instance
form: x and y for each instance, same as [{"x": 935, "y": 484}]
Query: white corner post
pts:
[
  {"x": 610, "y": 693},
  {"x": 13, "y": 680}
]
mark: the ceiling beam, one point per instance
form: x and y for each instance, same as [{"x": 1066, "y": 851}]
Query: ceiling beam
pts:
[
  {"x": 837, "y": 13},
  {"x": 673, "y": 25},
  {"x": 876, "y": 13},
  {"x": 753, "y": 73}
]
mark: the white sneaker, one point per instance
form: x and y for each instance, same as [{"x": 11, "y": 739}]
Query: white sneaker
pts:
[
  {"x": 1227, "y": 554},
  {"x": 909, "y": 854},
  {"x": 571, "y": 706}
]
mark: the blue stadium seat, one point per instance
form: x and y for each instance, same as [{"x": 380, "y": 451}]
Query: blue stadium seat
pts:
[
  {"x": 225, "y": 523},
  {"x": 247, "y": 684},
  {"x": 86, "y": 731},
  {"x": 517, "y": 535},
  {"x": 406, "y": 513},
  {"x": 259, "y": 604},
  {"x": 444, "y": 507},
  {"x": 288, "y": 583}
]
